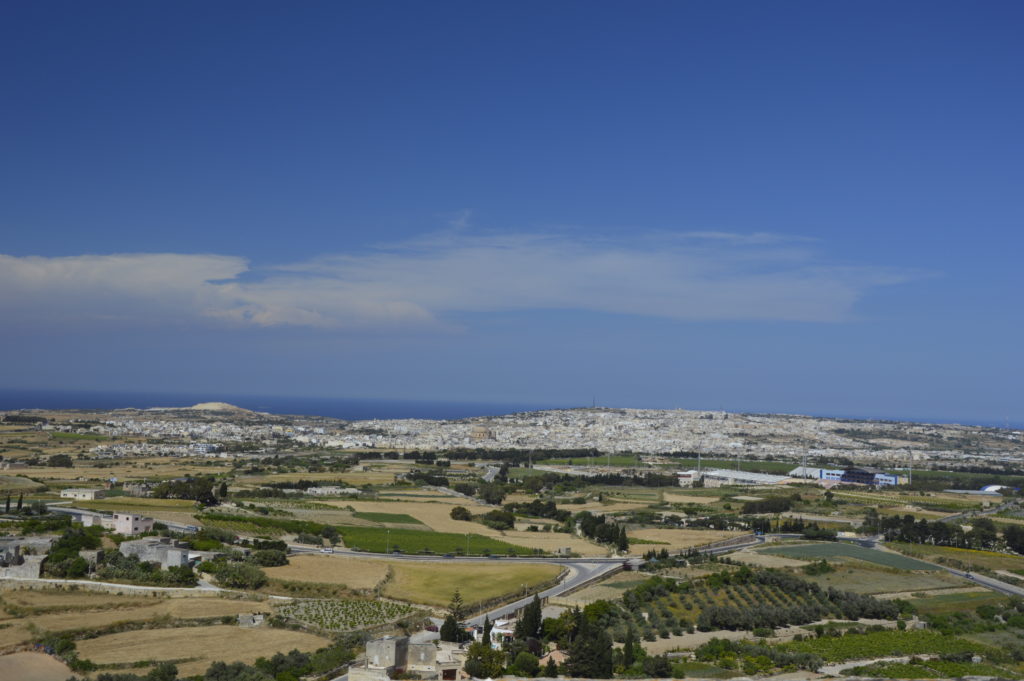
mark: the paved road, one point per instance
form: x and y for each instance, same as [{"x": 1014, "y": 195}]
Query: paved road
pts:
[
  {"x": 966, "y": 515},
  {"x": 579, "y": 573},
  {"x": 980, "y": 580}
]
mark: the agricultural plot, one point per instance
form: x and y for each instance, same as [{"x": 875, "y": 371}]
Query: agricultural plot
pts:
[
  {"x": 380, "y": 540},
  {"x": 242, "y": 527},
  {"x": 196, "y": 647},
  {"x": 963, "y": 557},
  {"x": 436, "y": 514},
  {"x": 34, "y": 666},
  {"x": 141, "y": 504},
  {"x": 354, "y": 573},
  {"x": 932, "y": 669},
  {"x": 690, "y": 498},
  {"x": 883, "y": 644},
  {"x": 617, "y": 460},
  {"x": 135, "y": 469},
  {"x": 392, "y": 518},
  {"x": 831, "y": 550},
  {"x": 944, "y": 604},
  {"x": 17, "y": 483},
  {"x": 434, "y": 583},
  {"x": 675, "y": 540},
  {"x": 27, "y": 612},
  {"x": 609, "y": 589},
  {"x": 875, "y": 580},
  {"x": 689, "y": 604},
  {"x": 428, "y": 583},
  {"x": 345, "y": 615}
]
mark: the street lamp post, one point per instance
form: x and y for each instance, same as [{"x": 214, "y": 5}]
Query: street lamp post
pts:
[
  {"x": 388, "y": 544},
  {"x": 467, "y": 543}
]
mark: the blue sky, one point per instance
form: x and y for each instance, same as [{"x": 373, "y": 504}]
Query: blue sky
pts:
[{"x": 792, "y": 206}]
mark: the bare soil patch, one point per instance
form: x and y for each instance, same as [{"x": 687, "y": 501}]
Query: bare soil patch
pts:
[{"x": 34, "y": 667}]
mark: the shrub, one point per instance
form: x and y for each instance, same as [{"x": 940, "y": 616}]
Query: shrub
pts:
[{"x": 240, "y": 576}]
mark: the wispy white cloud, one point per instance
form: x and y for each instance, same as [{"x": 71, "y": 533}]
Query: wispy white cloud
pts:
[{"x": 430, "y": 281}]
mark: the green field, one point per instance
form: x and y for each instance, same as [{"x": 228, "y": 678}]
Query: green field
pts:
[
  {"x": 944, "y": 604},
  {"x": 774, "y": 467},
  {"x": 397, "y": 518},
  {"x": 17, "y": 483},
  {"x": 840, "y": 549},
  {"x": 882, "y": 644},
  {"x": 380, "y": 540},
  {"x": 931, "y": 669},
  {"x": 866, "y": 578},
  {"x": 965, "y": 558},
  {"x": 598, "y": 460},
  {"x": 78, "y": 436}
]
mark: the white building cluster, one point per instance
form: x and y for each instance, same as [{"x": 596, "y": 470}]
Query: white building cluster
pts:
[{"x": 713, "y": 434}]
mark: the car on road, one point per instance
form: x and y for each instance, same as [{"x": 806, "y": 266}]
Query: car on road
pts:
[
  {"x": 449, "y": 555},
  {"x": 327, "y": 549}
]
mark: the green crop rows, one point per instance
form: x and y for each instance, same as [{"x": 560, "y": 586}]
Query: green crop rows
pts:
[
  {"x": 379, "y": 540},
  {"x": 839, "y": 549},
  {"x": 335, "y": 615},
  {"x": 882, "y": 644},
  {"x": 400, "y": 518}
]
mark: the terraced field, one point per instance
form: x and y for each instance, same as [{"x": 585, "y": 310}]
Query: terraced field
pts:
[{"x": 196, "y": 647}]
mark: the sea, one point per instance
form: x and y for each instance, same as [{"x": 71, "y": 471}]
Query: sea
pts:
[{"x": 350, "y": 409}]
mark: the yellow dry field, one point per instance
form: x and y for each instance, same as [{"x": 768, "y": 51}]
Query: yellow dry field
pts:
[
  {"x": 141, "y": 503},
  {"x": 355, "y": 573},
  {"x": 437, "y": 516},
  {"x": 285, "y": 477},
  {"x": 223, "y": 642},
  {"x": 427, "y": 582},
  {"x": 434, "y": 583},
  {"x": 53, "y": 598},
  {"x": 604, "y": 506},
  {"x": 174, "y": 510},
  {"x": 131, "y": 469},
  {"x": 677, "y": 539},
  {"x": 368, "y": 478},
  {"x": 683, "y": 498},
  {"x": 434, "y": 514},
  {"x": 766, "y": 560},
  {"x": 400, "y": 493},
  {"x": 331, "y": 516},
  {"x": 14, "y": 635},
  {"x": 80, "y": 610},
  {"x": 14, "y": 483}
]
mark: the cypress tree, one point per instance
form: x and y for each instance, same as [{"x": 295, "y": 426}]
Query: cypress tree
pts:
[
  {"x": 590, "y": 655},
  {"x": 7, "y": 506},
  {"x": 21, "y": 498},
  {"x": 450, "y": 630},
  {"x": 488, "y": 625},
  {"x": 628, "y": 653},
  {"x": 529, "y": 624}
]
